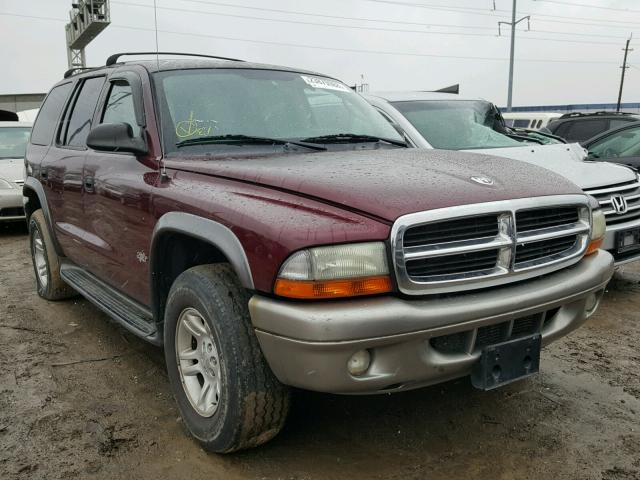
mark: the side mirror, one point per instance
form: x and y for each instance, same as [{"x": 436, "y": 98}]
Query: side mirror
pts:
[{"x": 116, "y": 137}]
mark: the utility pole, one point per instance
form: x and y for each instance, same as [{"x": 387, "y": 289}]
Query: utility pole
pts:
[
  {"x": 624, "y": 69},
  {"x": 513, "y": 24}
]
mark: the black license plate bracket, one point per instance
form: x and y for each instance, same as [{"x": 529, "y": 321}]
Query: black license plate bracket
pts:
[
  {"x": 628, "y": 240},
  {"x": 507, "y": 362}
]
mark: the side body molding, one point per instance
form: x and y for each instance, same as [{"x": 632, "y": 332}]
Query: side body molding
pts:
[
  {"x": 34, "y": 185},
  {"x": 209, "y": 231}
]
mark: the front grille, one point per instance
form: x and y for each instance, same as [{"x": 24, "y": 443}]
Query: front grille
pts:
[
  {"x": 452, "y": 230},
  {"x": 545, "y": 249},
  {"x": 453, "y": 264},
  {"x": 473, "y": 340},
  {"x": 12, "y": 212},
  {"x": 488, "y": 244},
  {"x": 625, "y": 196},
  {"x": 528, "y": 220}
]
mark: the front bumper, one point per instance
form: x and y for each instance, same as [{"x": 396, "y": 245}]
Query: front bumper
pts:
[
  {"x": 308, "y": 344},
  {"x": 11, "y": 205}
]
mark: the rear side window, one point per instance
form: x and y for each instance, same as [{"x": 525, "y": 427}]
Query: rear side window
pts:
[
  {"x": 521, "y": 123},
  {"x": 581, "y": 130},
  {"x": 78, "y": 121},
  {"x": 585, "y": 129},
  {"x": 120, "y": 108},
  {"x": 45, "y": 125}
]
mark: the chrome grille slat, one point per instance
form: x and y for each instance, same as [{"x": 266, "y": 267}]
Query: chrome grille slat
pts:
[
  {"x": 552, "y": 232},
  {"x": 449, "y": 248},
  {"x": 555, "y": 231}
]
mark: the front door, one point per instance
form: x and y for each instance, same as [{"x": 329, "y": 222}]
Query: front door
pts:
[{"x": 117, "y": 199}]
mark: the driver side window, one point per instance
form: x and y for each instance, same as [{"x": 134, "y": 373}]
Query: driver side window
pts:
[
  {"x": 619, "y": 145},
  {"x": 120, "y": 107}
]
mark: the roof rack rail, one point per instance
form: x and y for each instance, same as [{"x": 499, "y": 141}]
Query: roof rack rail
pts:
[
  {"x": 114, "y": 58},
  {"x": 76, "y": 70},
  {"x": 593, "y": 114}
]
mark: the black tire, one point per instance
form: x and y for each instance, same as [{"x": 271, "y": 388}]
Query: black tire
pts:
[
  {"x": 55, "y": 288},
  {"x": 253, "y": 404}
]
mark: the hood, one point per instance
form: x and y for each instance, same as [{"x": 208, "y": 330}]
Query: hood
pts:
[
  {"x": 387, "y": 183},
  {"x": 569, "y": 161},
  {"x": 12, "y": 169}
]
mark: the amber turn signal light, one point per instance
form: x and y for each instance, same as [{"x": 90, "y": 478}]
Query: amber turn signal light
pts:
[
  {"x": 594, "y": 245},
  {"x": 305, "y": 289}
]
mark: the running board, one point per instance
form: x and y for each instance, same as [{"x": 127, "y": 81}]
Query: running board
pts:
[{"x": 121, "y": 308}]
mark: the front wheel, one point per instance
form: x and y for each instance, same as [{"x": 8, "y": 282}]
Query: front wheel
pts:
[{"x": 228, "y": 397}]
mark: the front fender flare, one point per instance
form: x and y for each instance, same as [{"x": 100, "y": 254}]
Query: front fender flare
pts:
[{"x": 208, "y": 231}]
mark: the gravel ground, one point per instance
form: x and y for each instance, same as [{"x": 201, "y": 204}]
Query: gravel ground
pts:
[{"x": 80, "y": 397}]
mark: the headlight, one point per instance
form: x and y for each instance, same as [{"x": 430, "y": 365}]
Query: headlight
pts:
[
  {"x": 335, "y": 271},
  {"x": 598, "y": 230},
  {"x": 4, "y": 185}
]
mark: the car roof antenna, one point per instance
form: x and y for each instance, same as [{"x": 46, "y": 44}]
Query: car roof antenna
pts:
[{"x": 163, "y": 170}]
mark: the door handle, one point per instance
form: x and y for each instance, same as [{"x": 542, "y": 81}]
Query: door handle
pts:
[{"x": 89, "y": 184}]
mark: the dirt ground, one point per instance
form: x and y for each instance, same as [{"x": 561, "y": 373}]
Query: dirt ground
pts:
[{"x": 81, "y": 398}]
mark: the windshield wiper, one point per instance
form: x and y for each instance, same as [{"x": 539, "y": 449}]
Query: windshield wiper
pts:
[
  {"x": 245, "y": 140},
  {"x": 524, "y": 138},
  {"x": 353, "y": 138}
]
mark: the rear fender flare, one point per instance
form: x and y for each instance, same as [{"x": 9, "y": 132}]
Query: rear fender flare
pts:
[{"x": 35, "y": 186}]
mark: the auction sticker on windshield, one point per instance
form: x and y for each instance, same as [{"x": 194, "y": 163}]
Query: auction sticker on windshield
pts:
[{"x": 325, "y": 83}]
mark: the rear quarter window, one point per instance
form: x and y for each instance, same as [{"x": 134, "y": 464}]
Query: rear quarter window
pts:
[{"x": 45, "y": 125}]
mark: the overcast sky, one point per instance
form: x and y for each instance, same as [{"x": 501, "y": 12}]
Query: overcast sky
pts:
[{"x": 571, "y": 54}]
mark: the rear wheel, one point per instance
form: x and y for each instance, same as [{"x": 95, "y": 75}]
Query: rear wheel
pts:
[
  {"x": 228, "y": 397},
  {"x": 46, "y": 263}
]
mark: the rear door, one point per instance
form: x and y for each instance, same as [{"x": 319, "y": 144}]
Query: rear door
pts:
[
  {"x": 117, "y": 197},
  {"x": 62, "y": 167}
]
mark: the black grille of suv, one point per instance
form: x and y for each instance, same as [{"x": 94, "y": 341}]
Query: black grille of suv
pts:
[
  {"x": 546, "y": 248},
  {"x": 452, "y": 264},
  {"x": 528, "y": 220},
  {"x": 434, "y": 253},
  {"x": 472, "y": 340},
  {"x": 452, "y": 230}
]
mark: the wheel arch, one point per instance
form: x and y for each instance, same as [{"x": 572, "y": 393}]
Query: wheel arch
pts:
[
  {"x": 183, "y": 240},
  {"x": 34, "y": 199}
]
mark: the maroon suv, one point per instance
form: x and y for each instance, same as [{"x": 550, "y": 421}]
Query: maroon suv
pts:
[{"x": 270, "y": 229}]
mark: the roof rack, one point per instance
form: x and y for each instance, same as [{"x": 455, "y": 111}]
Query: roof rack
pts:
[
  {"x": 593, "y": 114},
  {"x": 114, "y": 58},
  {"x": 75, "y": 70}
]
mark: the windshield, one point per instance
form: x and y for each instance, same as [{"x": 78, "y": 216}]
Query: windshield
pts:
[
  {"x": 260, "y": 103},
  {"x": 622, "y": 144},
  {"x": 13, "y": 141},
  {"x": 456, "y": 124}
]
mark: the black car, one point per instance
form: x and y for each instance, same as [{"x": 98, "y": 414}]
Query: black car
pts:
[
  {"x": 621, "y": 145},
  {"x": 580, "y": 127}
]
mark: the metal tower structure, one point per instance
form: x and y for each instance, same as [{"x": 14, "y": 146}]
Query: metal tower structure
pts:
[{"x": 87, "y": 19}]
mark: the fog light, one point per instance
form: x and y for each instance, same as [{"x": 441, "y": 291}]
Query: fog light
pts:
[
  {"x": 591, "y": 303},
  {"x": 359, "y": 362}
]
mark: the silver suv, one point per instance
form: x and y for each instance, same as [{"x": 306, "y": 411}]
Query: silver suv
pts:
[{"x": 448, "y": 122}]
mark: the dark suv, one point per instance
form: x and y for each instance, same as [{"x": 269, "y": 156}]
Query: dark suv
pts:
[
  {"x": 270, "y": 229},
  {"x": 579, "y": 127}
]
